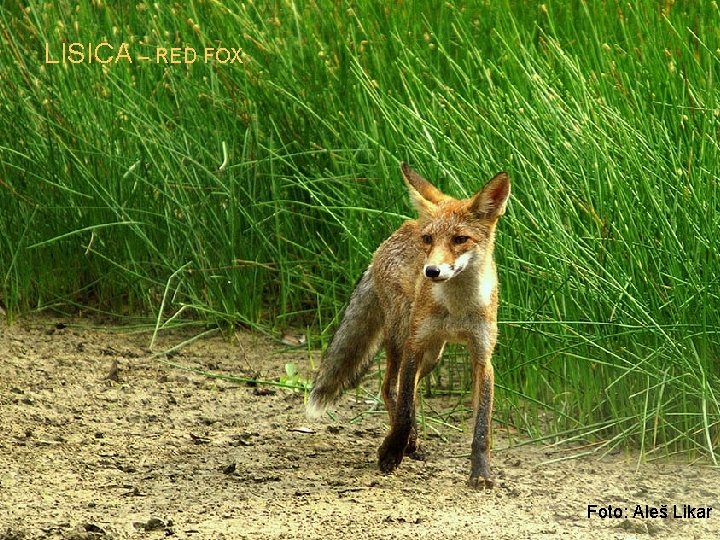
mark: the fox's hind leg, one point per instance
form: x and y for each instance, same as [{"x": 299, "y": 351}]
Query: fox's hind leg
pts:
[{"x": 402, "y": 439}]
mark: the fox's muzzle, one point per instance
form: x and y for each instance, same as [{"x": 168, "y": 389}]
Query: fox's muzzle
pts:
[{"x": 445, "y": 271}]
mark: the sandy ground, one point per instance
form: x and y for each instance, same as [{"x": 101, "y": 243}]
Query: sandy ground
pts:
[{"x": 101, "y": 440}]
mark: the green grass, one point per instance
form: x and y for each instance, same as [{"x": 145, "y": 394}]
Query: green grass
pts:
[{"x": 255, "y": 192}]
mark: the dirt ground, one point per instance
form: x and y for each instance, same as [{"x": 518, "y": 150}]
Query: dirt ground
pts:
[{"x": 103, "y": 440}]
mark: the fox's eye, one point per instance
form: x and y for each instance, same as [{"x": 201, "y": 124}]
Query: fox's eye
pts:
[
  {"x": 427, "y": 239},
  {"x": 460, "y": 239}
]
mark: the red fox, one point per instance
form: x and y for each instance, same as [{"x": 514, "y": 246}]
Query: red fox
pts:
[{"x": 433, "y": 281}]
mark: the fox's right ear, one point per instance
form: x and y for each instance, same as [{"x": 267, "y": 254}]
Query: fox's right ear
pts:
[
  {"x": 423, "y": 194},
  {"x": 491, "y": 201}
]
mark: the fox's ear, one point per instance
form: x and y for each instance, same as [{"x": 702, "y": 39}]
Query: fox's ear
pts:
[
  {"x": 423, "y": 194},
  {"x": 490, "y": 202}
]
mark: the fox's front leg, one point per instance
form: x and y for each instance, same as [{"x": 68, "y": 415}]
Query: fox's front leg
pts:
[
  {"x": 393, "y": 358},
  {"x": 483, "y": 390},
  {"x": 392, "y": 450}
]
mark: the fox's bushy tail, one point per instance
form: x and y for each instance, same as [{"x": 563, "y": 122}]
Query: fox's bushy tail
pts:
[{"x": 352, "y": 349}]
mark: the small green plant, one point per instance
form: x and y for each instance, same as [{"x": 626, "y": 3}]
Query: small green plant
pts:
[{"x": 293, "y": 379}]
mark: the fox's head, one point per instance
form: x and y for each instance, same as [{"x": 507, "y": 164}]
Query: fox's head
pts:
[{"x": 455, "y": 233}]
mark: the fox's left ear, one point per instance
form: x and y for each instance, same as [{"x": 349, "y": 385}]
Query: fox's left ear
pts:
[
  {"x": 490, "y": 202},
  {"x": 423, "y": 194}
]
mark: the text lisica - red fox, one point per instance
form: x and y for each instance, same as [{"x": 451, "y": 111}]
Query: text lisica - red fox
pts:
[{"x": 105, "y": 52}]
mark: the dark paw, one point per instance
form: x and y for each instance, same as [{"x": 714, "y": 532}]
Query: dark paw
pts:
[
  {"x": 481, "y": 482},
  {"x": 389, "y": 457},
  {"x": 417, "y": 454}
]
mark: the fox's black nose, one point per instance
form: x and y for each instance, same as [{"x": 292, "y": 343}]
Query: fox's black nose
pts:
[{"x": 432, "y": 271}]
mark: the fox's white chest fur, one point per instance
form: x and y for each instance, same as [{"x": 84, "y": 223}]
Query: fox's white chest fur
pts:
[
  {"x": 465, "y": 299},
  {"x": 469, "y": 291}
]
